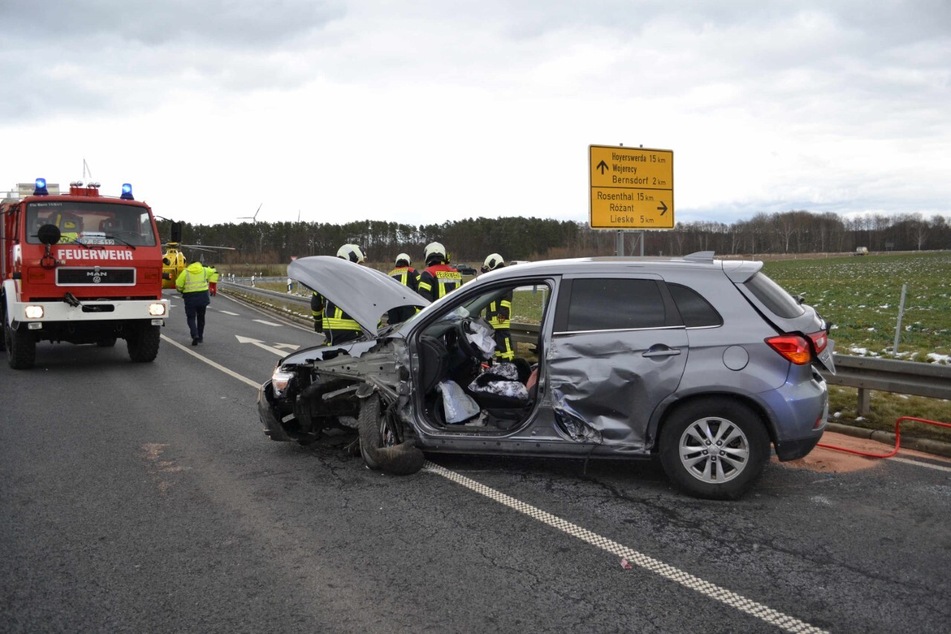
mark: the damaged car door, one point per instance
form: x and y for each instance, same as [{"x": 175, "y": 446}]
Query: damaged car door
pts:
[{"x": 618, "y": 349}]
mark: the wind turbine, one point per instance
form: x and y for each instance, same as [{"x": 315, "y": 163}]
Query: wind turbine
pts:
[{"x": 253, "y": 218}]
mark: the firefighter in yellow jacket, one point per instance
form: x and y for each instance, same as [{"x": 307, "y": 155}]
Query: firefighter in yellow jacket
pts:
[
  {"x": 499, "y": 314},
  {"x": 405, "y": 274},
  {"x": 337, "y": 326},
  {"x": 192, "y": 283},
  {"x": 212, "y": 279},
  {"x": 438, "y": 279}
]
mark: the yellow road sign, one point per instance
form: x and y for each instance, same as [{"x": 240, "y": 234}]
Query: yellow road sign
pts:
[{"x": 631, "y": 188}]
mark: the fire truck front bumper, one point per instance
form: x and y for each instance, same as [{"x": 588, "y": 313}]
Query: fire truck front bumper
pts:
[{"x": 35, "y": 314}]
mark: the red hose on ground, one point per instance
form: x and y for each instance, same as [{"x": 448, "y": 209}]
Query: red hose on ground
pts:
[{"x": 897, "y": 438}]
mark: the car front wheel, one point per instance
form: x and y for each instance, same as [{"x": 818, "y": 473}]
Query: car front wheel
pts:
[
  {"x": 379, "y": 445},
  {"x": 714, "y": 449}
]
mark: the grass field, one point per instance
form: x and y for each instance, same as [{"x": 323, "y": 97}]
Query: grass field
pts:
[{"x": 860, "y": 296}]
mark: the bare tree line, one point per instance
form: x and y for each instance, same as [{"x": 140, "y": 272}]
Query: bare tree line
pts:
[{"x": 518, "y": 238}]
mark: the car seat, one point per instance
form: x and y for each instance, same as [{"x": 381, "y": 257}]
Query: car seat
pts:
[
  {"x": 502, "y": 393},
  {"x": 433, "y": 361}
]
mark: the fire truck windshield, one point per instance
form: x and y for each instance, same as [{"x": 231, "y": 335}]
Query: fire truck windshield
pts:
[{"x": 92, "y": 222}]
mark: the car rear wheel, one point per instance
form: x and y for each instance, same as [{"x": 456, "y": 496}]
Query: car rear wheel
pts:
[
  {"x": 379, "y": 443},
  {"x": 714, "y": 448}
]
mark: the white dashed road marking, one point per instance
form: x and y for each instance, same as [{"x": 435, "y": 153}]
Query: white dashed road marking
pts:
[
  {"x": 216, "y": 366},
  {"x": 712, "y": 591},
  {"x": 267, "y": 323},
  {"x": 228, "y": 312}
]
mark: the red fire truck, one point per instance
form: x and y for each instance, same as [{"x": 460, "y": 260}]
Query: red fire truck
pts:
[{"x": 79, "y": 267}]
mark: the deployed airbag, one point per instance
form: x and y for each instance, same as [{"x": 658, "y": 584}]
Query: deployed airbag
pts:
[{"x": 457, "y": 405}]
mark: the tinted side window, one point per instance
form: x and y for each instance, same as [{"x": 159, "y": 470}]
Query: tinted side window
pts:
[
  {"x": 611, "y": 304},
  {"x": 695, "y": 310},
  {"x": 774, "y": 297}
]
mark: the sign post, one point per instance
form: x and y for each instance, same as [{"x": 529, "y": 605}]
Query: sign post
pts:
[{"x": 631, "y": 188}]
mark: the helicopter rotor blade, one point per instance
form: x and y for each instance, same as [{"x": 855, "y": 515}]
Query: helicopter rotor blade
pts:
[{"x": 207, "y": 247}]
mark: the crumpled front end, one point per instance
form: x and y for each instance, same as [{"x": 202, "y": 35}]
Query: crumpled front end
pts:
[
  {"x": 269, "y": 414},
  {"x": 305, "y": 399}
]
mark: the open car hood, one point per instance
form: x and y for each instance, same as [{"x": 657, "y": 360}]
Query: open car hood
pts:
[{"x": 362, "y": 292}]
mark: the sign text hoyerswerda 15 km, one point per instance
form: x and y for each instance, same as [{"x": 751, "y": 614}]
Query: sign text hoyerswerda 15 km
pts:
[{"x": 631, "y": 188}]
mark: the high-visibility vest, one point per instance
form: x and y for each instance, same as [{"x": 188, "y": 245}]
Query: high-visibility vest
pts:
[
  {"x": 194, "y": 279},
  {"x": 438, "y": 281},
  {"x": 406, "y": 275},
  {"x": 499, "y": 313}
]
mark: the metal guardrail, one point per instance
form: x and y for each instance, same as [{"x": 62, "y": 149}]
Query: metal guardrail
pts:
[
  {"x": 869, "y": 375},
  {"x": 866, "y": 374}
]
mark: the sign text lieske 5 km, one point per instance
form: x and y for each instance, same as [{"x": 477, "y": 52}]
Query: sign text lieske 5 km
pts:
[{"x": 631, "y": 188}]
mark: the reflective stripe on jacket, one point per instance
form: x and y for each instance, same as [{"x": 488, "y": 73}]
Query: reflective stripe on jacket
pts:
[{"x": 336, "y": 319}]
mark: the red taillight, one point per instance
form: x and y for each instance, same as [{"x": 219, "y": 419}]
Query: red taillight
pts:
[
  {"x": 793, "y": 347},
  {"x": 819, "y": 341}
]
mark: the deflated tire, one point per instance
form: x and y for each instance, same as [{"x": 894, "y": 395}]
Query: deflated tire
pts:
[{"x": 375, "y": 443}]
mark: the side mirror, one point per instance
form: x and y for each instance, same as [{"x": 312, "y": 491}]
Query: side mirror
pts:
[{"x": 49, "y": 234}]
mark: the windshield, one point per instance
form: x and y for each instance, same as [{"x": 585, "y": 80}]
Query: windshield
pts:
[{"x": 92, "y": 222}]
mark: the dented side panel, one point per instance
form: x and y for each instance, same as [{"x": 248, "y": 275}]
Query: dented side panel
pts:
[{"x": 604, "y": 388}]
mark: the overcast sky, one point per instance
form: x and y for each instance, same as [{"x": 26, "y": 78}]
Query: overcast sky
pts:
[{"x": 436, "y": 110}]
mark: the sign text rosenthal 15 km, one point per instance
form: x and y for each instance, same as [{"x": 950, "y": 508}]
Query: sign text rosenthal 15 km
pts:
[{"x": 631, "y": 188}]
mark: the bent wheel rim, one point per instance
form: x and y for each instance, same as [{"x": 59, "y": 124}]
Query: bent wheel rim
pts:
[
  {"x": 387, "y": 435},
  {"x": 714, "y": 450}
]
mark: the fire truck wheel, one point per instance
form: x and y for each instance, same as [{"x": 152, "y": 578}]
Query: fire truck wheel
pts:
[
  {"x": 143, "y": 343},
  {"x": 21, "y": 347}
]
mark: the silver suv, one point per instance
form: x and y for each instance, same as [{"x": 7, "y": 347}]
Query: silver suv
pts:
[{"x": 701, "y": 363}]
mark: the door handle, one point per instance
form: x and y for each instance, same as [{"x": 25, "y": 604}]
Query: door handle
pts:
[{"x": 662, "y": 352}]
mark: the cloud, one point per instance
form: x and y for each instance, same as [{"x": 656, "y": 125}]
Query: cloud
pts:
[{"x": 443, "y": 110}]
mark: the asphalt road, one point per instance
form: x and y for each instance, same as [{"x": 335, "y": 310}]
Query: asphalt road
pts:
[{"x": 144, "y": 497}]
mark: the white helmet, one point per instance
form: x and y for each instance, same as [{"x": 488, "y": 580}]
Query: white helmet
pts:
[
  {"x": 351, "y": 252},
  {"x": 494, "y": 261},
  {"x": 434, "y": 251},
  {"x": 404, "y": 258}
]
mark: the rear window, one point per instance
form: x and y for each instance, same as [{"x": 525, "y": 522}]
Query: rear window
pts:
[
  {"x": 615, "y": 304},
  {"x": 774, "y": 297},
  {"x": 694, "y": 309}
]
